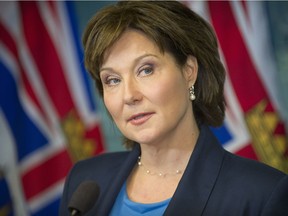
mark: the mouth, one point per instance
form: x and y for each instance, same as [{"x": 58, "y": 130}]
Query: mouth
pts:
[{"x": 140, "y": 118}]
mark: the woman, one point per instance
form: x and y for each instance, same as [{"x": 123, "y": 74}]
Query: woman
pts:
[{"x": 157, "y": 66}]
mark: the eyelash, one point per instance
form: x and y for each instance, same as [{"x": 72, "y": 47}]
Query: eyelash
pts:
[
  {"x": 145, "y": 68},
  {"x": 109, "y": 79}
]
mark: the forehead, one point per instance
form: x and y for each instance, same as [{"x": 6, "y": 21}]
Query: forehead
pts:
[{"x": 131, "y": 44}]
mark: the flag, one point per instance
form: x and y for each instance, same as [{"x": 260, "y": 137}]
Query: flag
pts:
[
  {"x": 48, "y": 116},
  {"x": 254, "y": 126}
]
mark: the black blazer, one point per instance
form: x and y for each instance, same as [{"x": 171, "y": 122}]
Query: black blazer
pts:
[{"x": 215, "y": 183}]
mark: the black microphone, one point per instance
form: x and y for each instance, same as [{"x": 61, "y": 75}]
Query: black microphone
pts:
[{"x": 84, "y": 198}]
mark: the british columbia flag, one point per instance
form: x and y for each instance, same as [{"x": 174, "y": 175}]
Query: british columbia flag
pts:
[
  {"x": 48, "y": 115},
  {"x": 254, "y": 125}
]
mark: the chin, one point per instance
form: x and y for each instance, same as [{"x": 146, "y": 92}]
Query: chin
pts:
[
  {"x": 145, "y": 139},
  {"x": 145, "y": 136}
]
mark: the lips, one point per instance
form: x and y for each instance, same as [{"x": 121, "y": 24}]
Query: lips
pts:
[{"x": 140, "y": 118}]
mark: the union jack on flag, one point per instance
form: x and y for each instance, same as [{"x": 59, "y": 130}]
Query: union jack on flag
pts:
[{"x": 48, "y": 117}]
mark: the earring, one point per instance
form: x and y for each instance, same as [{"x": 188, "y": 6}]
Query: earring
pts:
[{"x": 192, "y": 93}]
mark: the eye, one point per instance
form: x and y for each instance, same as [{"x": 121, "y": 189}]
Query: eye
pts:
[
  {"x": 146, "y": 70},
  {"x": 111, "y": 81}
]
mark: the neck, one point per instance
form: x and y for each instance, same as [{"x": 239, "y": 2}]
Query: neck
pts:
[
  {"x": 159, "y": 174},
  {"x": 171, "y": 155}
]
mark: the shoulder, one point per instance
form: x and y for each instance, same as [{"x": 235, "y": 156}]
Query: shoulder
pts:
[
  {"x": 260, "y": 184},
  {"x": 233, "y": 167},
  {"x": 236, "y": 171},
  {"x": 101, "y": 169},
  {"x": 241, "y": 174},
  {"x": 250, "y": 176},
  {"x": 100, "y": 164},
  {"x": 250, "y": 169},
  {"x": 110, "y": 158},
  {"x": 254, "y": 185}
]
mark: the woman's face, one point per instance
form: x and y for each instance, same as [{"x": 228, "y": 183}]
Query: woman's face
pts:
[{"x": 145, "y": 91}]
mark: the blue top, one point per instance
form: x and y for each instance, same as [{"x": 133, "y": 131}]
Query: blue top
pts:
[{"x": 123, "y": 206}]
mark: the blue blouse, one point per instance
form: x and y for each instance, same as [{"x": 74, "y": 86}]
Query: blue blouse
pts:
[{"x": 123, "y": 206}]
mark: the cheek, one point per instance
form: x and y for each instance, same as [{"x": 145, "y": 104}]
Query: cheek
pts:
[
  {"x": 111, "y": 105},
  {"x": 169, "y": 93}
]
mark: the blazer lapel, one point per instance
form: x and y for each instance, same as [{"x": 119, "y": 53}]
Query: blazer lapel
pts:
[
  {"x": 112, "y": 192},
  {"x": 193, "y": 190},
  {"x": 198, "y": 180}
]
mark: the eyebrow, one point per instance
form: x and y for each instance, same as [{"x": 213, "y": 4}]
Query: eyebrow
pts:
[{"x": 135, "y": 61}]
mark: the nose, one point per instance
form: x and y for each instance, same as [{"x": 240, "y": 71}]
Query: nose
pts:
[{"x": 132, "y": 94}]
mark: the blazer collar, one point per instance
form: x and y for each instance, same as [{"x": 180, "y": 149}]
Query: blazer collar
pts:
[
  {"x": 194, "y": 188},
  {"x": 125, "y": 169},
  {"x": 199, "y": 177}
]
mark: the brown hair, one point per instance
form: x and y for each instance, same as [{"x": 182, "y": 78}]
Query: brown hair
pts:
[{"x": 175, "y": 29}]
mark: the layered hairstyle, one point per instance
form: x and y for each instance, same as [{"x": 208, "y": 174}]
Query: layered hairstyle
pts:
[{"x": 175, "y": 29}]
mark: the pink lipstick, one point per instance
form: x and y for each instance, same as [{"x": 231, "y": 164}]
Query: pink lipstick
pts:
[{"x": 139, "y": 118}]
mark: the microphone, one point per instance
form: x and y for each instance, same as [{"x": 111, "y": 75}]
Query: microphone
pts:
[{"x": 83, "y": 198}]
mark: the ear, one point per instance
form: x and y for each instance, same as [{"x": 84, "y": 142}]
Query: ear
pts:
[{"x": 191, "y": 70}]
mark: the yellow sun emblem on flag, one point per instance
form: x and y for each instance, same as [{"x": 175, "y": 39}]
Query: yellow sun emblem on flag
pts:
[
  {"x": 78, "y": 146},
  {"x": 271, "y": 148}
]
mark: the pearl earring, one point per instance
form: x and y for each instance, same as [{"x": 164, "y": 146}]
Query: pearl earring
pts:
[{"x": 192, "y": 93}]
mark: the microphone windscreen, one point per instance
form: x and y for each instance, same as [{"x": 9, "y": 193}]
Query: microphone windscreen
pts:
[{"x": 84, "y": 197}]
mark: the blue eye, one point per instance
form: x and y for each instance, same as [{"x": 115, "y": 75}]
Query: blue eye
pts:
[
  {"x": 112, "y": 81},
  {"x": 146, "y": 71}
]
